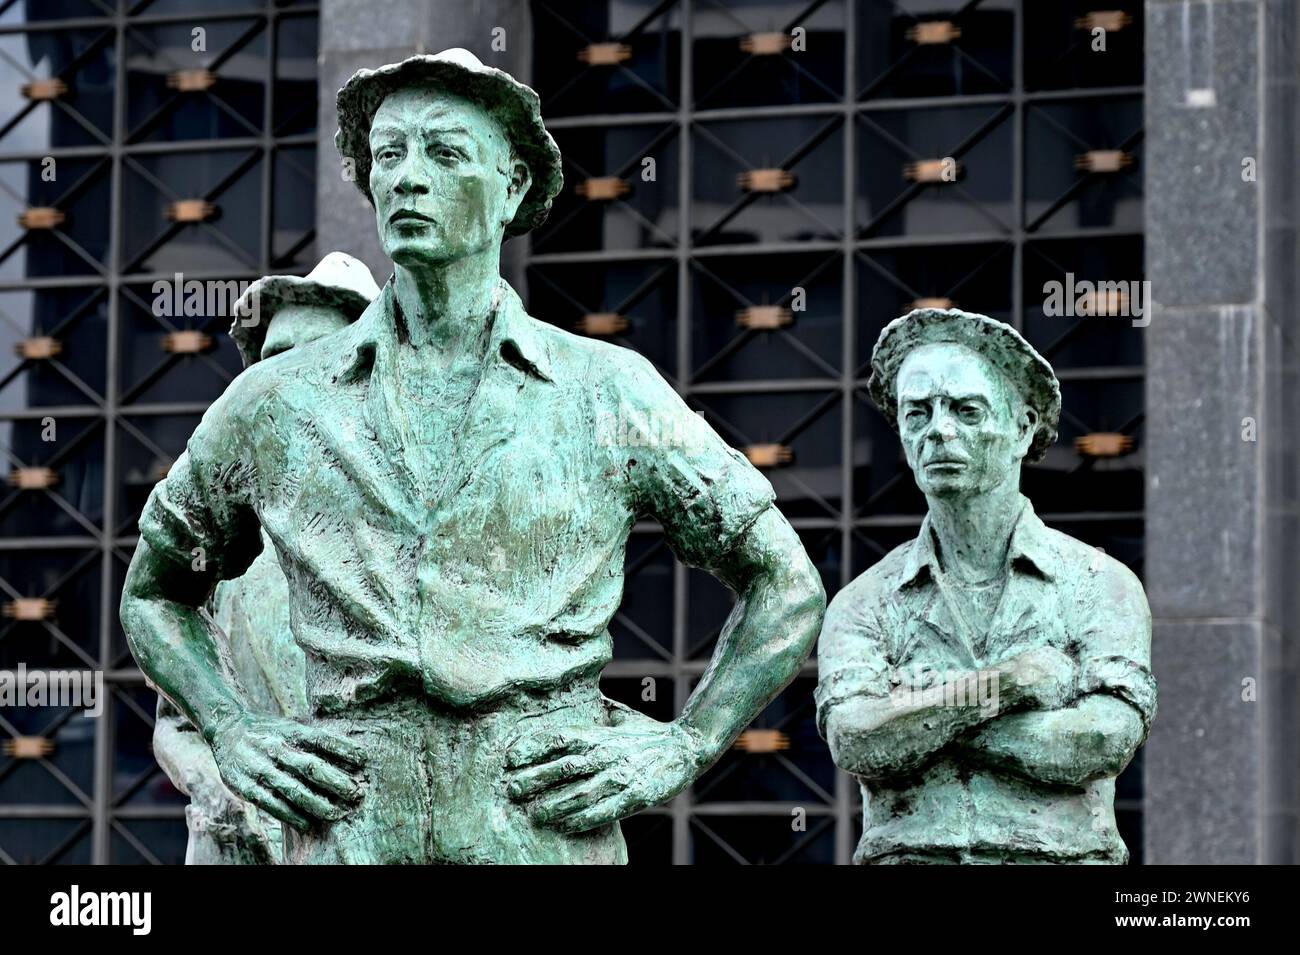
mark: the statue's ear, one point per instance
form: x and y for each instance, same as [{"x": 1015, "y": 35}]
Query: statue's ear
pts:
[
  {"x": 1028, "y": 426},
  {"x": 518, "y": 181}
]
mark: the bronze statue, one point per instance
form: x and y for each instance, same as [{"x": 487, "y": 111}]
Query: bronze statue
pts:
[
  {"x": 251, "y": 612},
  {"x": 987, "y": 681},
  {"x": 453, "y": 530}
]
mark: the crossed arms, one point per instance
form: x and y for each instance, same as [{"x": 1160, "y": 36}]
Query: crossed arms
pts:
[
  {"x": 1059, "y": 720},
  {"x": 1042, "y": 739}
]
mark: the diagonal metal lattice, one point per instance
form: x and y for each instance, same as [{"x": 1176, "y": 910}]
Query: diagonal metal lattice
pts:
[{"x": 106, "y": 308}]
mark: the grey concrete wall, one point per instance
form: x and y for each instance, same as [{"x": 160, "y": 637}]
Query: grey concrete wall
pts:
[
  {"x": 1221, "y": 574},
  {"x": 369, "y": 33}
]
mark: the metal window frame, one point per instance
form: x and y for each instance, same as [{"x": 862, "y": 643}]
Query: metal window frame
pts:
[{"x": 102, "y": 814}]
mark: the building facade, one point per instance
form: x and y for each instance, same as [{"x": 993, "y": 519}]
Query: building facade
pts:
[{"x": 753, "y": 189}]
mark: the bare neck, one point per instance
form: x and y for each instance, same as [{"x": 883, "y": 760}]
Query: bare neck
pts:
[
  {"x": 446, "y": 307},
  {"x": 974, "y": 532}
]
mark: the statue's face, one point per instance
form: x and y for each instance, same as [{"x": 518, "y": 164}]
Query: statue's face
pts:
[
  {"x": 442, "y": 176},
  {"x": 964, "y": 427},
  {"x": 299, "y": 324}
]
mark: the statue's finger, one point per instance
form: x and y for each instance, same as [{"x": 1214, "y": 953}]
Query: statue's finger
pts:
[
  {"x": 601, "y": 814},
  {"x": 330, "y": 744},
  {"x": 535, "y": 779},
  {"x": 301, "y": 797},
  {"x": 265, "y": 799},
  {"x": 315, "y": 770},
  {"x": 573, "y": 798},
  {"x": 545, "y": 744}
]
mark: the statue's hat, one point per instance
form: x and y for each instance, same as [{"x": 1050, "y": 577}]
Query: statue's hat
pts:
[
  {"x": 338, "y": 281},
  {"x": 998, "y": 342},
  {"x": 456, "y": 71}
]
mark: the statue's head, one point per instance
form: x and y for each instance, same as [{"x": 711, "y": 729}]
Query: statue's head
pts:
[
  {"x": 299, "y": 325},
  {"x": 280, "y": 312},
  {"x": 444, "y": 178},
  {"x": 452, "y": 155},
  {"x": 969, "y": 397}
]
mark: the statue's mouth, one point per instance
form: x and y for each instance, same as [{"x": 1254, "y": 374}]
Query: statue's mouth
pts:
[{"x": 409, "y": 215}]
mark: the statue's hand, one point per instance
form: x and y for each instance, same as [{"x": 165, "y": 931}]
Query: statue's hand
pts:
[
  {"x": 299, "y": 774},
  {"x": 581, "y": 777},
  {"x": 1043, "y": 677}
]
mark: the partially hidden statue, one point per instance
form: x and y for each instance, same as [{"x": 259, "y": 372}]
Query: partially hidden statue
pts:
[
  {"x": 251, "y": 613},
  {"x": 450, "y": 511},
  {"x": 987, "y": 681}
]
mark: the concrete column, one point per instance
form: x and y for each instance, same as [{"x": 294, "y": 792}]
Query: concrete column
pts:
[{"x": 1222, "y": 535}]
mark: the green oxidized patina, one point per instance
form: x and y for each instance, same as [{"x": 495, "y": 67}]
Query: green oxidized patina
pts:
[
  {"x": 440, "y": 488},
  {"x": 251, "y": 613},
  {"x": 261, "y": 661},
  {"x": 987, "y": 681}
]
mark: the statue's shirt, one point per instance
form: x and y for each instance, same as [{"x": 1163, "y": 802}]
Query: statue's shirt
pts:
[
  {"x": 896, "y": 624},
  {"x": 502, "y": 573}
]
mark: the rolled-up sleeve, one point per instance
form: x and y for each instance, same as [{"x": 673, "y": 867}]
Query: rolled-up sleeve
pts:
[
  {"x": 200, "y": 516},
  {"x": 704, "y": 493},
  {"x": 851, "y": 658},
  {"x": 1115, "y": 652}
]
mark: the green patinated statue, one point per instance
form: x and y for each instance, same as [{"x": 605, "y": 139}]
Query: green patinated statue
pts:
[
  {"x": 251, "y": 613},
  {"x": 452, "y": 521},
  {"x": 987, "y": 681}
]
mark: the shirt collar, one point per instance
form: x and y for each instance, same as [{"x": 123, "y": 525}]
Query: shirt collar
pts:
[
  {"x": 1030, "y": 545},
  {"x": 515, "y": 337}
]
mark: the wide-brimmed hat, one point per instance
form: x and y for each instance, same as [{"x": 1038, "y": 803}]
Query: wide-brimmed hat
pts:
[
  {"x": 1001, "y": 344},
  {"x": 338, "y": 281},
  {"x": 456, "y": 71}
]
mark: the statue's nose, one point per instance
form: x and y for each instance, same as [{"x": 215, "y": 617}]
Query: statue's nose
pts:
[
  {"x": 410, "y": 179},
  {"x": 943, "y": 427}
]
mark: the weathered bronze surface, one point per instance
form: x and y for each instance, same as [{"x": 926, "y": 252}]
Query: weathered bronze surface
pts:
[
  {"x": 987, "y": 681},
  {"x": 251, "y": 613},
  {"x": 440, "y": 487}
]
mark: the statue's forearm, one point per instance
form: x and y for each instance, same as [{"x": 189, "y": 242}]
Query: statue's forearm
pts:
[
  {"x": 173, "y": 642},
  {"x": 1071, "y": 746},
  {"x": 766, "y": 639},
  {"x": 186, "y": 758},
  {"x": 881, "y": 736}
]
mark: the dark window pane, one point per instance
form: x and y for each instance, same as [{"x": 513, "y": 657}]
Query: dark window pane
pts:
[
  {"x": 934, "y": 48},
  {"x": 295, "y": 76},
  {"x": 14, "y": 12},
  {"x": 1062, "y": 53},
  {"x": 161, "y": 61},
  {"x": 644, "y": 212},
  {"x": 767, "y": 53},
  {"x": 634, "y": 67},
  {"x": 81, "y": 113},
  {"x": 725, "y": 212}
]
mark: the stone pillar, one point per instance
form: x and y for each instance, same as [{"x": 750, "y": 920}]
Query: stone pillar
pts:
[
  {"x": 1222, "y": 535},
  {"x": 370, "y": 33}
]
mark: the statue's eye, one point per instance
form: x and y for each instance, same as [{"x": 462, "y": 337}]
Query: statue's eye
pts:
[
  {"x": 970, "y": 413},
  {"x": 916, "y": 416},
  {"x": 443, "y": 151},
  {"x": 387, "y": 153}
]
